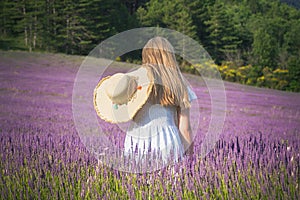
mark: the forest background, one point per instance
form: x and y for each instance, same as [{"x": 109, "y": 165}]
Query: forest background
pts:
[{"x": 253, "y": 42}]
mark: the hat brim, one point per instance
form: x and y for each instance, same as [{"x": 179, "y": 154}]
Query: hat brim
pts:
[{"x": 123, "y": 113}]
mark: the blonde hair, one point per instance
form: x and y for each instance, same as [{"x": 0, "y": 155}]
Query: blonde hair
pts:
[{"x": 169, "y": 86}]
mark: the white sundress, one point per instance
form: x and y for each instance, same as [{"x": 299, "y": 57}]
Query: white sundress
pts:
[{"x": 154, "y": 130}]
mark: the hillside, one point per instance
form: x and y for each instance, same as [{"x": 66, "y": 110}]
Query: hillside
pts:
[
  {"x": 263, "y": 34},
  {"x": 41, "y": 78},
  {"x": 43, "y": 155}
]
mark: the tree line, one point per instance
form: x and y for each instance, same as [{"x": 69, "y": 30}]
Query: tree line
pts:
[{"x": 256, "y": 38}]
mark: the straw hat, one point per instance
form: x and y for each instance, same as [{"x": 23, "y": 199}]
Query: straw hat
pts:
[{"x": 118, "y": 98}]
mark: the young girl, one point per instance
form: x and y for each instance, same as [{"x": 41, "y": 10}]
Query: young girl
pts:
[{"x": 162, "y": 125}]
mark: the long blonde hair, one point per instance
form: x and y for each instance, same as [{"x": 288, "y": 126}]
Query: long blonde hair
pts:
[{"x": 169, "y": 87}]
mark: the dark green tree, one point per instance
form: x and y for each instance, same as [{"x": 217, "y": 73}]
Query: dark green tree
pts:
[
  {"x": 151, "y": 14},
  {"x": 168, "y": 14},
  {"x": 177, "y": 16},
  {"x": 292, "y": 46},
  {"x": 199, "y": 13},
  {"x": 265, "y": 48},
  {"x": 222, "y": 35},
  {"x": 30, "y": 24},
  {"x": 10, "y": 14}
]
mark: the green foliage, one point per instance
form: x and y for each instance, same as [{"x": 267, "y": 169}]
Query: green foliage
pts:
[
  {"x": 73, "y": 27},
  {"x": 252, "y": 35},
  {"x": 294, "y": 3},
  {"x": 223, "y": 38},
  {"x": 168, "y": 13},
  {"x": 294, "y": 73},
  {"x": 198, "y": 11}
]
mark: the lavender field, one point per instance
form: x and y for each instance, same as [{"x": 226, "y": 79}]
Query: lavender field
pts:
[{"x": 42, "y": 156}]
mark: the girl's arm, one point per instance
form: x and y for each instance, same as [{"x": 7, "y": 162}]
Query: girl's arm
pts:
[{"x": 185, "y": 129}]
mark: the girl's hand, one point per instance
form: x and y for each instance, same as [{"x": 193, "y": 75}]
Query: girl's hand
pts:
[
  {"x": 190, "y": 149},
  {"x": 185, "y": 131}
]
